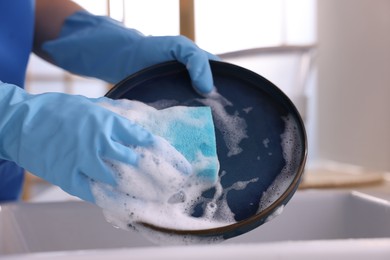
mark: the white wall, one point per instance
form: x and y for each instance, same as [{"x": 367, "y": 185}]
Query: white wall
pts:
[{"x": 353, "y": 116}]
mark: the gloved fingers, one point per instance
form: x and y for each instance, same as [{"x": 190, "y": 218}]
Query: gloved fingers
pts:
[
  {"x": 186, "y": 52},
  {"x": 196, "y": 61},
  {"x": 200, "y": 74},
  {"x": 129, "y": 133},
  {"x": 212, "y": 56},
  {"x": 164, "y": 151},
  {"x": 134, "y": 182},
  {"x": 117, "y": 152},
  {"x": 80, "y": 187},
  {"x": 100, "y": 100},
  {"x": 158, "y": 168},
  {"x": 99, "y": 169},
  {"x": 106, "y": 159}
]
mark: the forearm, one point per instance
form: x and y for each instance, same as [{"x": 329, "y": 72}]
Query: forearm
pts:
[{"x": 49, "y": 19}]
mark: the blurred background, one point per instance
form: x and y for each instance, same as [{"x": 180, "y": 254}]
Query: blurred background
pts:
[{"x": 332, "y": 57}]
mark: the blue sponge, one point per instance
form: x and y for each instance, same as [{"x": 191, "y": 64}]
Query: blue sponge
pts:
[{"x": 189, "y": 129}]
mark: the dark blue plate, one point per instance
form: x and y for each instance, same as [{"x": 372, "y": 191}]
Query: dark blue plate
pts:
[{"x": 272, "y": 122}]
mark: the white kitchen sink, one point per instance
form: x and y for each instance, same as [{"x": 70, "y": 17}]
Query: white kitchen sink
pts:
[{"x": 314, "y": 223}]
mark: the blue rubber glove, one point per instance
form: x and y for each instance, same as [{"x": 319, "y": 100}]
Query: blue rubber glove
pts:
[
  {"x": 66, "y": 139},
  {"x": 100, "y": 47}
]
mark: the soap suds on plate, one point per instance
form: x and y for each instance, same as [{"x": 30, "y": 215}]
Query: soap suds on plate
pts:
[
  {"x": 170, "y": 175},
  {"x": 290, "y": 149},
  {"x": 233, "y": 126}
]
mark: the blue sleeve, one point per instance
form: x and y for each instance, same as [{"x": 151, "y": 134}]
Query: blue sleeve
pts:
[
  {"x": 16, "y": 39},
  {"x": 11, "y": 181}
]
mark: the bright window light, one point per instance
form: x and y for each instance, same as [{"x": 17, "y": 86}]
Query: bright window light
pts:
[
  {"x": 98, "y": 7},
  {"x": 229, "y": 25},
  {"x": 153, "y": 17}
]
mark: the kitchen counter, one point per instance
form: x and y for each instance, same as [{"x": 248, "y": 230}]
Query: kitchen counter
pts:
[{"x": 335, "y": 176}]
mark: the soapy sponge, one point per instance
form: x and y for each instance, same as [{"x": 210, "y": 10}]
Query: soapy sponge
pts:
[
  {"x": 190, "y": 130},
  {"x": 170, "y": 175}
]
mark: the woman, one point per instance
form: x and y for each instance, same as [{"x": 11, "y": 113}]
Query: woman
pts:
[{"x": 62, "y": 138}]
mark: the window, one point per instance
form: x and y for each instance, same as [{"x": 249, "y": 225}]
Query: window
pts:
[{"x": 220, "y": 26}]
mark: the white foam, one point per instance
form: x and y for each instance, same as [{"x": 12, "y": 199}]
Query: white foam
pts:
[
  {"x": 290, "y": 148},
  {"x": 274, "y": 214},
  {"x": 164, "y": 103},
  {"x": 233, "y": 127},
  {"x": 266, "y": 142},
  {"x": 162, "y": 190},
  {"x": 247, "y": 110}
]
